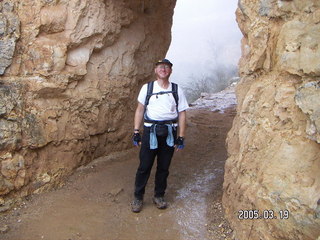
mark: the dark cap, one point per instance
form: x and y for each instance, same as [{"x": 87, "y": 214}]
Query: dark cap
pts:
[{"x": 164, "y": 61}]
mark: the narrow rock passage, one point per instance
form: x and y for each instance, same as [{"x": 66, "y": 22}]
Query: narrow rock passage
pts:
[{"x": 95, "y": 202}]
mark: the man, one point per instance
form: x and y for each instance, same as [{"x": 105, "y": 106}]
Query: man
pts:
[{"x": 162, "y": 105}]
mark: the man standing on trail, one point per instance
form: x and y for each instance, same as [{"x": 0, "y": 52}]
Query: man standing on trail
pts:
[{"x": 162, "y": 105}]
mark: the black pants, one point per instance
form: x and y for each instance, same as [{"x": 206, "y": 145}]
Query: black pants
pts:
[{"x": 147, "y": 156}]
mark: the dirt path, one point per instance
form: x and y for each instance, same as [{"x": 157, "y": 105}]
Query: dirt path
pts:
[{"x": 95, "y": 202}]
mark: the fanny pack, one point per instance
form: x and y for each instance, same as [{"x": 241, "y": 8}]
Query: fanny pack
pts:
[{"x": 161, "y": 130}]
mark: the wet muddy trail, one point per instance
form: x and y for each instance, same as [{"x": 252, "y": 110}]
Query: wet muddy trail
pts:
[{"x": 95, "y": 202}]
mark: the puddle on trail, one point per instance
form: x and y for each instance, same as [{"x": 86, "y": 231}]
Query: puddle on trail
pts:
[{"x": 191, "y": 215}]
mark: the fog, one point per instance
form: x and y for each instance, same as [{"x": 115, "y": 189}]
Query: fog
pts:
[{"x": 205, "y": 35}]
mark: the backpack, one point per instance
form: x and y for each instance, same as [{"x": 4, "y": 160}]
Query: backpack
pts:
[{"x": 150, "y": 93}]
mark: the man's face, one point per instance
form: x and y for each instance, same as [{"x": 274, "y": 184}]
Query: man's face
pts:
[{"x": 163, "y": 71}]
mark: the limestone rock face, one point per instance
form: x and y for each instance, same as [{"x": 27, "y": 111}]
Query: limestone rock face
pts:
[
  {"x": 70, "y": 74},
  {"x": 9, "y": 33},
  {"x": 273, "y": 146},
  {"x": 307, "y": 98}
]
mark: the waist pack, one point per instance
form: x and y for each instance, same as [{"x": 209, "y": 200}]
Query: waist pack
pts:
[{"x": 161, "y": 130}]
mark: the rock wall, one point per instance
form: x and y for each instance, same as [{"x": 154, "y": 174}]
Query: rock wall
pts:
[
  {"x": 70, "y": 71},
  {"x": 273, "y": 146}
]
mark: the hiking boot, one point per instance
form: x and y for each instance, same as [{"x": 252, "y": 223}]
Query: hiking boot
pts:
[
  {"x": 136, "y": 205},
  {"x": 160, "y": 202}
]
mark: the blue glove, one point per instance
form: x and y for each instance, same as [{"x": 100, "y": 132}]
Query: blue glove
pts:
[
  {"x": 136, "y": 138},
  {"x": 180, "y": 143}
]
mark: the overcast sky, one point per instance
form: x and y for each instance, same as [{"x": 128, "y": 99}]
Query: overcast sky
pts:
[{"x": 204, "y": 32}]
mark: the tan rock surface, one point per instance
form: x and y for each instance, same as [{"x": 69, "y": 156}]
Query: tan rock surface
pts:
[
  {"x": 68, "y": 83},
  {"x": 274, "y": 151}
]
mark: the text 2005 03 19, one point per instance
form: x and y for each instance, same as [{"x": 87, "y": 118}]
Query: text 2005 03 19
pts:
[{"x": 265, "y": 214}]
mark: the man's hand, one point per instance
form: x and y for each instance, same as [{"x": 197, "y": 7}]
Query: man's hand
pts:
[
  {"x": 179, "y": 143},
  {"x": 136, "y": 138}
]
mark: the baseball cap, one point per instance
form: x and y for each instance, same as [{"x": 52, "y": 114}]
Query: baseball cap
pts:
[{"x": 164, "y": 61}]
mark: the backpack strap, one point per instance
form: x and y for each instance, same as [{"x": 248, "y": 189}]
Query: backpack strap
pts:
[
  {"x": 149, "y": 93},
  {"x": 175, "y": 94}
]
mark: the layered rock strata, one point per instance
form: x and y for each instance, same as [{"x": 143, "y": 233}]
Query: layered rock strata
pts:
[
  {"x": 272, "y": 180},
  {"x": 70, "y": 72}
]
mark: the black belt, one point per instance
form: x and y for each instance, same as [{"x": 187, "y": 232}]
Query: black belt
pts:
[{"x": 160, "y": 122}]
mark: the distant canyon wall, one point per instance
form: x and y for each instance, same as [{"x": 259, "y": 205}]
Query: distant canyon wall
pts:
[
  {"x": 274, "y": 144},
  {"x": 69, "y": 75}
]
